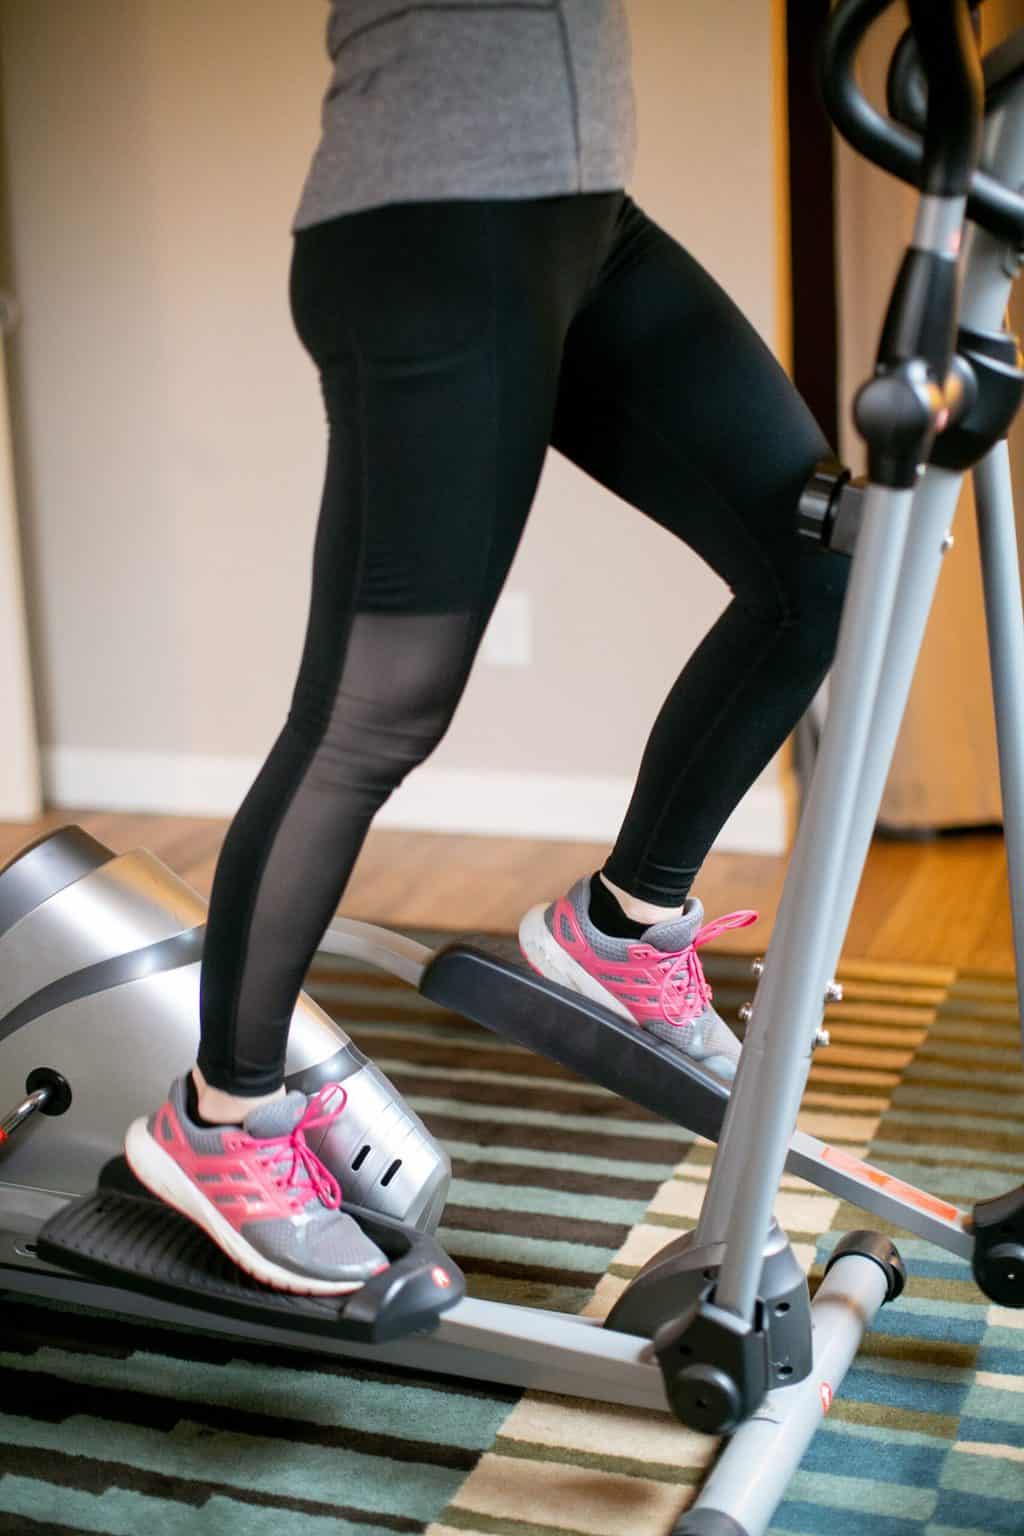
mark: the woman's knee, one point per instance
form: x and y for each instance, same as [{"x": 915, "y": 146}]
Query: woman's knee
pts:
[
  {"x": 802, "y": 605},
  {"x": 815, "y": 604}
]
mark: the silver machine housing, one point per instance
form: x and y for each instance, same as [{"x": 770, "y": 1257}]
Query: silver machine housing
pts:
[{"x": 100, "y": 958}]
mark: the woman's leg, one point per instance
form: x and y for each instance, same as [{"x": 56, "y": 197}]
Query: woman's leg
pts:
[
  {"x": 669, "y": 397},
  {"x": 438, "y": 331}
]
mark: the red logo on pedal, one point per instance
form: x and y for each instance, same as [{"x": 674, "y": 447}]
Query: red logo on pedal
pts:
[{"x": 825, "y": 1393}]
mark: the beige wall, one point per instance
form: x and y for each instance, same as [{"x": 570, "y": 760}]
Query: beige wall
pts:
[{"x": 169, "y": 430}]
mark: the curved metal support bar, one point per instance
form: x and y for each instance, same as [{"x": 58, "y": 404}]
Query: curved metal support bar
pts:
[
  {"x": 21, "y": 1112},
  {"x": 391, "y": 952}
]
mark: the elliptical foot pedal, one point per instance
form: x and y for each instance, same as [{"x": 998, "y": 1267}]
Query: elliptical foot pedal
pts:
[
  {"x": 123, "y": 1235},
  {"x": 487, "y": 980}
]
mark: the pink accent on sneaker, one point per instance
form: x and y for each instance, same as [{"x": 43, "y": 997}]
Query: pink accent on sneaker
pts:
[
  {"x": 670, "y": 985},
  {"x": 260, "y": 1193}
]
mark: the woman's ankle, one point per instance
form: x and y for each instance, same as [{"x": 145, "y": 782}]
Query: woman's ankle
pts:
[
  {"x": 639, "y": 911},
  {"x": 216, "y": 1107}
]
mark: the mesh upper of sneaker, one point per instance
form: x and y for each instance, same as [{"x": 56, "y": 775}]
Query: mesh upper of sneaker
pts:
[
  {"x": 706, "y": 1033},
  {"x": 315, "y": 1239}
]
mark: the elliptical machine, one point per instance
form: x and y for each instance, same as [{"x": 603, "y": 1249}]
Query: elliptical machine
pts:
[
  {"x": 947, "y": 384},
  {"x": 99, "y": 954}
]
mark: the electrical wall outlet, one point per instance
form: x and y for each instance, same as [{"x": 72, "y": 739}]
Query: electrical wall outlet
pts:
[{"x": 508, "y": 638}]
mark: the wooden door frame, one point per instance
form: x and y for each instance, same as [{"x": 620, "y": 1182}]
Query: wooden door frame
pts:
[{"x": 814, "y": 307}]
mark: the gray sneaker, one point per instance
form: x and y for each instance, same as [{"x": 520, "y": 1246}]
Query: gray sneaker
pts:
[
  {"x": 656, "y": 981},
  {"x": 258, "y": 1191}
]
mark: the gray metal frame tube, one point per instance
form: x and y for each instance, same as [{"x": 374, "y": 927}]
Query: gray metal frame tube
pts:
[
  {"x": 938, "y": 224},
  {"x": 1000, "y": 570},
  {"x": 872, "y": 1189},
  {"x": 775, "y": 1060},
  {"x": 822, "y": 881},
  {"x": 991, "y": 264},
  {"x": 22, "y": 1111},
  {"x": 985, "y": 294},
  {"x": 482, "y": 1340},
  {"x": 934, "y": 509},
  {"x": 751, "y": 1476}
]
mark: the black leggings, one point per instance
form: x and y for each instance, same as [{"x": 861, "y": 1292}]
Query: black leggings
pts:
[{"x": 456, "y": 341}]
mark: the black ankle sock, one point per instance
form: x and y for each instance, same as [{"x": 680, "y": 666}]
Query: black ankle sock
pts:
[
  {"x": 608, "y": 917},
  {"x": 192, "y": 1107}
]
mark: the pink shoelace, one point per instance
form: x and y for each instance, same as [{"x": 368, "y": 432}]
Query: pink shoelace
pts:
[
  {"x": 304, "y": 1162},
  {"x": 685, "y": 990}
]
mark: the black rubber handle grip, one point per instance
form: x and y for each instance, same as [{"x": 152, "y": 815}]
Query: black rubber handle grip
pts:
[
  {"x": 949, "y": 56},
  {"x": 996, "y": 207}
]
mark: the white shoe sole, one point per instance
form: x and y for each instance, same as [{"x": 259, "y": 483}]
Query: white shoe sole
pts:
[{"x": 161, "y": 1175}]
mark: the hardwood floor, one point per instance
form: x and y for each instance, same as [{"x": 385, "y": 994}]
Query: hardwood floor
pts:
[{"x": 945, "y": 901}]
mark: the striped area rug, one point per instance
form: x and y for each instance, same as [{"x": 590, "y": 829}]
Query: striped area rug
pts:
[{"x": 560, "y": 1193}]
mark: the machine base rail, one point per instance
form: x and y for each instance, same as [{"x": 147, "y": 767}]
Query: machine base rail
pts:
[
  {"x": 750, "y": 1477},
  {"x": 122, "y": 1233},
  {"x": 493, "y": 1341}
]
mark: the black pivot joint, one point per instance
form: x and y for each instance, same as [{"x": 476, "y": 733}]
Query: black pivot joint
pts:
[
  {"x": 991, "y": 362},
  {"x": 830, "y": 507},
  {"x": 896, "y": 413},
  {"x": 716, "y": 1365},
  {"x": 875, "y": 1246},
  {"x": 915, "y": 391},
  {"x": 998, "y": 1259},
  {"x": 58, "y": 1096}
]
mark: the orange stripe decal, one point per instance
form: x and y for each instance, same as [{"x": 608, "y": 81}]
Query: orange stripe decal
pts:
[{"x": 878, "y": 1177}]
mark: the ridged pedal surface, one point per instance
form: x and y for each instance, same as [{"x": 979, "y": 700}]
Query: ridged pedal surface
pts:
[
  {"x": 146, "y": 1241},
  {"x": 132, "y": 1241}
]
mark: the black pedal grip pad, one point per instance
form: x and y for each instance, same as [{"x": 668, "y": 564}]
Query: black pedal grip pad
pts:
[{"x": 144, "y": 1245}]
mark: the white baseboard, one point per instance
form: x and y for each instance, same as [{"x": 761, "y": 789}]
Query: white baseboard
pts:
[{"x": 432, "y": 799}]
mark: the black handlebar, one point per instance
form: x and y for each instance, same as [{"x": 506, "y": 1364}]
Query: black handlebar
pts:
[
  {"x": 949, "y": 55},
  {"x": 906, "y": 90},
  {"x": 947, "y": 50}
]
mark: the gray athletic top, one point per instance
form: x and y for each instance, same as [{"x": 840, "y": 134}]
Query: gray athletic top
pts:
[{"x": 491, "y": 99}]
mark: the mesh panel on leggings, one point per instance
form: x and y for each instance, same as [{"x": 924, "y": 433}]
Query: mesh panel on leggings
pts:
[{"x": 402, "y": 678}]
